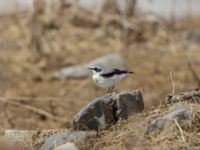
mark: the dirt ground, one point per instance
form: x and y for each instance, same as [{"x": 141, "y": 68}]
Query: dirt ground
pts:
[{"x": 32, "y": 47}]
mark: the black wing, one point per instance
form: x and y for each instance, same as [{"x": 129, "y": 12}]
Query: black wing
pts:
[
  {"x": 114, "y": 72},
  {"x": 117, "y": 71},
  {"x": 107, "y": 75}
]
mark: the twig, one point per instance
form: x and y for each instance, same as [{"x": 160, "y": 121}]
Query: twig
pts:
[
  {"x": 36, "y": 110},
  {"x": 28, "y": 99},
  {"x": 183, "y": 138},
  {"x": 196, "y": 77},
  {"x": 173, "y": 82}
]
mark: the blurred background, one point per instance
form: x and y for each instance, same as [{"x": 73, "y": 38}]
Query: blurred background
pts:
[{"x": 46, "y": 44}]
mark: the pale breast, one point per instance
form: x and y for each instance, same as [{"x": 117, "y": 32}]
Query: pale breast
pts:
[
  {"x": 105, "y": 82},
  {"x": 95, "y": 79}
]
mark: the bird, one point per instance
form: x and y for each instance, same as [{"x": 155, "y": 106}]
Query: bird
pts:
[{"x": 106, "y": 77}]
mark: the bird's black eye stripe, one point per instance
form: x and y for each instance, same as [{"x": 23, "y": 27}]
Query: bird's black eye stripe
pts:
[
  {"x": 107, "y": 75},
  {"x": 97, "y": 69}
]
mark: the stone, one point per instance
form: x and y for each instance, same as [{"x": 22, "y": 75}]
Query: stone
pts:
[
  {"x": 157, "y": 124},
  {"x": 191, "y": 96},
  {"x": 27, "y": 139},
  {"x": 193, "y": 36},
  {"x": 44, "y": 139},
  {"x": 161, "y": 122},
  {"x": 67, "y": 146},
  {"x": 58, "y": 139},
  {"x": 107, "y": 110},
  {"x": 180, "y": 114},
  {"x": 79, "y": 71},
  {"x": 96, "y": 115},
  {"x": 128, "y": 103}
]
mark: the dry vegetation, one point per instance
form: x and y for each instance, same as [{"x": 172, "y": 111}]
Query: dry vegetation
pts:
[
  {"x": 32, "y": 47},
  {"x": 130, "y": 134}
]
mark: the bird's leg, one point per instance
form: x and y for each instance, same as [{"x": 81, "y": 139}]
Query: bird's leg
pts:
[
  {"x": 108, "y": 90},
  {"x": 112, "y": 89}
]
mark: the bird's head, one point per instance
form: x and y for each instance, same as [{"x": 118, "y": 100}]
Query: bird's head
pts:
[{"x": 95, "y": 69}]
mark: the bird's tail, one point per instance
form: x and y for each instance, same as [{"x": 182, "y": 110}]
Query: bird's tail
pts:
[{"x": 130, "y": 72}]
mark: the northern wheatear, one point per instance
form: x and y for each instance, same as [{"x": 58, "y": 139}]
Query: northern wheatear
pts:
[{"x": 106, "y": 77}]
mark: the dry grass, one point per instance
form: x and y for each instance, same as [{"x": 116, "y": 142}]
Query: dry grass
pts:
[
  {"x": 129, "y": 134},
  {"x": 124, "y": 135},
  {"x": 150, "y": 49}
]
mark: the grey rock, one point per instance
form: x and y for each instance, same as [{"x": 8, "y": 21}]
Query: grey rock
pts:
[
  {"x": 161, "y": 122},
  {"x": 96, "y": 115},
  {"x": 61, "y": 138},
  {"x": 106, "y": 110},
  {"x": 128, "y": 103},
  {"x": 191, "y": 96},
  {"x": 193, "y": 36},
  {"x": 66, "y": 146},
  {"x": 80, "y": 71},
  {"x": 156, "y": 124},
  {"x": 77, "y": 71},
  {"x": 44, "y": 139},
  {"x": 181, "y": 114}
]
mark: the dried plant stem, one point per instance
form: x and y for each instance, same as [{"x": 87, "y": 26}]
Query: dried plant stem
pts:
[
  {"x": 183, "y": 138},
  {"x": 173, "y": 82},
  {"x": 37, "y": 28},
  {"x": 29, "y": 99},
  {"x": 35, "y": 110}
]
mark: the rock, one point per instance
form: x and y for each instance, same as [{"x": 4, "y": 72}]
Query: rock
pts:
[
  {"x": 193, "y": 36},
  {"x": 67, "y": 146},
  {"x": 181, "y": 114},
  {"x": 191, "y": 96},
  {"x": 60, "y": 138},
  {"x": 96, "y": 115},
  {"x": 161, "y": 122},
  {"x": 44, "y": 139},
  {"x": 106, "y": 110},
  {"x": 157, "y": 124},
  {"x": 128, "y": 103},
  {"x": 26, "y": 139},
  {"x": 80, "y": 71},
  {"x": 20, "y": 139}
]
